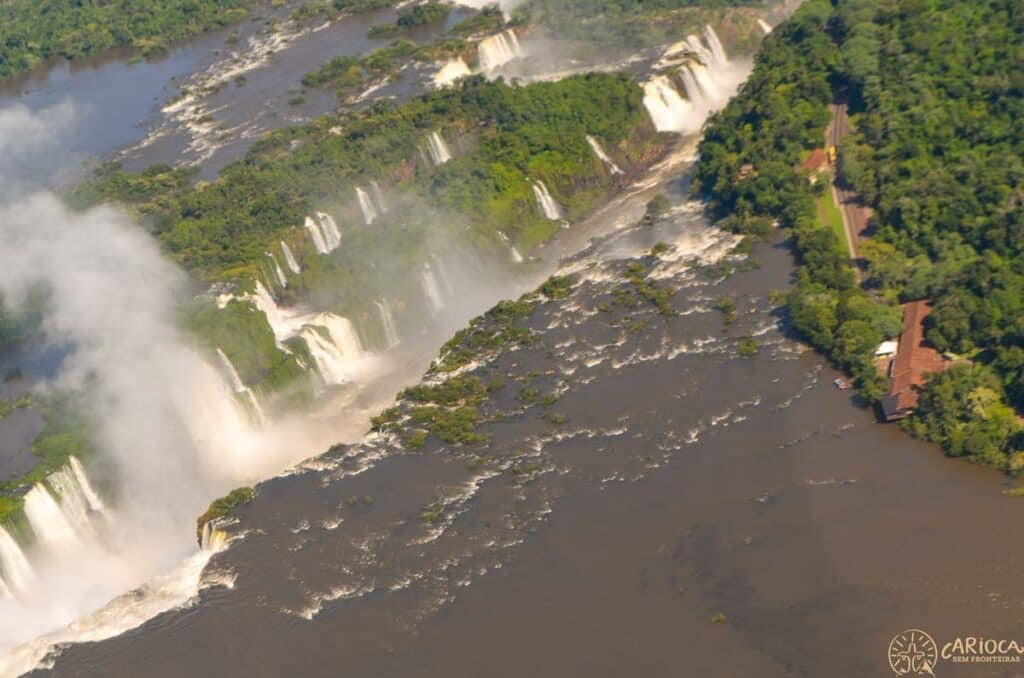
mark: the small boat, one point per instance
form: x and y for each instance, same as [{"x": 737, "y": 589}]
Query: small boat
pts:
[{"x": 841, "y": 383}]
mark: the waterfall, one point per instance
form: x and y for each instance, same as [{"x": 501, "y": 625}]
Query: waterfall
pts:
[
  {"x": 212, "y": 539},
  {"x": 546, "y": 203},
  {"x": 450, "y": 72},
  {"x": 702, "y": 76},
  {"x": 669, "y": 112},
  {"x": 366, "y": 205},
  {"x": 498, "y": 49},
  {"x": 73, "y": 503},
  {"x": 278, "y": 273},
  {"x": 698, "y": 48},
  {"x": 378, "y": 195},
  {"x": 765, "y": 27},
  {"x": 516, "y": 256},
  {"x": 48, "y": 522},
  {"x": 442, "y": 274},
  {"x": 430, "y": 289},
  {"x": 717, "y": 51},
  {"x": 329, "y": 230},
  {"x": 318, "y": 237},
  {"x": 239, "y": 388},
  {"x": 439, "y": 153},
  {"x": 95, "y": 504},
  {"x": 289, "y": 258},
  {"x": 333, "y": 345},
  {"x": 387, "y": 322},
  {"x": 17, "y": 571},
  {"x": 602, "y": 156}
]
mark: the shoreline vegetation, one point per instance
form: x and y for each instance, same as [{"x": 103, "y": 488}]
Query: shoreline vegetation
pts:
[{"x": 938, "y": 160}]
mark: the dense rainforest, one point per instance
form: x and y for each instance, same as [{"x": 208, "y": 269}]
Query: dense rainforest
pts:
[{"x": 934, "y": 90}]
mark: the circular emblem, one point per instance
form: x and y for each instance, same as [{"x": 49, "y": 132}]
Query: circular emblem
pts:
[{"x": 913, "y": 653}]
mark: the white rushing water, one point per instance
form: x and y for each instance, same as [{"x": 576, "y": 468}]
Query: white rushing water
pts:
[
  {"x": 450, "y": 72},
  {"x": 366, "y": 205},
  {"x": 329, "y": 230},
  {"x": 387, "y": 323},
  {"x": 696, "y": 78},
  {"x": 331, "y": 340},
  {"x": 602, "y": 156},
  {"x": 496, "y": 50},
  {"x": 17, "y": 571},
  {"x": 516, "y": 256},
  {"x": 547, "y": 204},
  {"x": 239, "y": 388},
  {"x": 431, "y": 289},
  {"x": 278, "y": 272},
  {"x": 319, "y": 242},
  {"x": 289, "y": 258},
  {"x": 765, "y": 27},
  {"x": 718, "y": 55},
  {"x": 439, "y": 153}
]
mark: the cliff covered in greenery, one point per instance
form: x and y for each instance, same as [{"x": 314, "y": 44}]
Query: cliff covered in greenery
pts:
[{"x": 933, "y": 91}]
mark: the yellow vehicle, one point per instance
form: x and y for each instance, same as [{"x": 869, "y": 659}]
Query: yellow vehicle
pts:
[{"x": 832, "y": 155}]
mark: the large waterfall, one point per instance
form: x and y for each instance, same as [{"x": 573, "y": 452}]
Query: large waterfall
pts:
[
  {"x": 239, "y": 388},
  {"x": 703, "y": 74},
  {"x": 15, "y": 567},
  {"x": 438, "y": 149},
  {"x": 669, "y": 111},
  {"x": 366, "y": 205},
  {"x": 450, "y": 72},
  {"x": 546, "y": 203},
  {"x": 602, "y": 156},
  {"x": 715, "y": 45},
  {"x": 495, "y": 50},
  {"x": 330, "y": 339},
  {"x": 387, "y": 322},
  {"x": 278, "y": 272},
  {"x": 49, "y": 523},
  {"x": 289, "y": 258}
]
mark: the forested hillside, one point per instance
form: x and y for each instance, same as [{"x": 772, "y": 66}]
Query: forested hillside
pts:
[{"x": 934, "y": 90}]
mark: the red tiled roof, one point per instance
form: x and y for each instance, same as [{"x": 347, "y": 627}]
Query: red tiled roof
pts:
[
  {"x": 914, "y": 361},
  {"x": 816, "y": 161}
]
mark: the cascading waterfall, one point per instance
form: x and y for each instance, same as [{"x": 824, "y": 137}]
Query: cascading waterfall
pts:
[
  {"x": 289, "y": 258},
  {"x": 366, "y": 205},
  {"x": 715, "y": 45},
  {"x": 334, "y": 347},
  {"x": 387, "y": 323},
  {"x": 765, "y": 27},
  {"x": 439, "y": 153},
  {"x": 499, "y": 49},
  {"x": 698, "y": 48},
  {"x": 546, "y": 203},
  {"x": 212, "y": 538},
  {"x": 239, "y": 388},
  {"x": 95, "y": 503},
  {"x": 319, "y": 242},
  {"x": 602, "y": 156},
  {"x": 702, "y": 76},
  {"x": 278, "y": 272},
  {"x": 668, "y": 110},
  {"x": 48, "y": 522},
  {"x": 450, "y": 72},
  {"x": 329, "y": 230},
  {"x": 516, "y": 256},
  {"x": 73, "y": 503},
  {"x": 378, "y": 195},
  {"x": 431, "y": 290},
  {"x": 331, "y": 340},
  {"x": 17, "y": 571}
]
